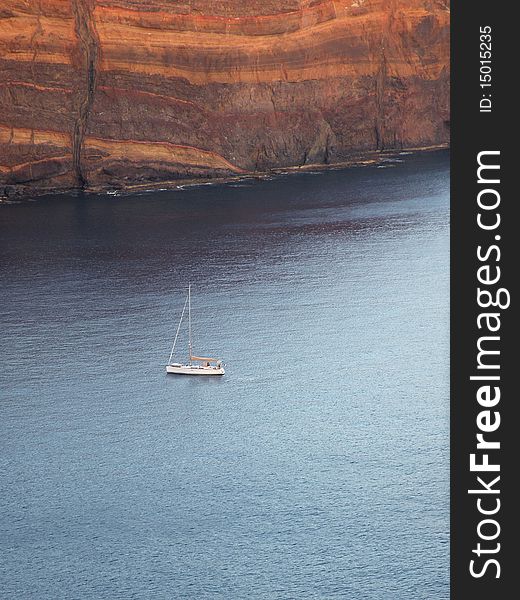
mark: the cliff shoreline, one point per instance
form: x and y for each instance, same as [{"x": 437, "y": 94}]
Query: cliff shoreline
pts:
[
  {"x": 26, "y": 194},
  {"x": 106, "y": 93}
]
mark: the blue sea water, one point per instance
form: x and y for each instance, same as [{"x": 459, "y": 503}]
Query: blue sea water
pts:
[{"x": 317, "y": 467}]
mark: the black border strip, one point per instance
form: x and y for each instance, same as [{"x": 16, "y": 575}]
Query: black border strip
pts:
[{"x": 473, "y": 132}]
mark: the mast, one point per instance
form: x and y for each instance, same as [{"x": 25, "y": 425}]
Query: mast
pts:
[
  {"x": 189, "y": 322},
  {"x": 178, "y": 329}
]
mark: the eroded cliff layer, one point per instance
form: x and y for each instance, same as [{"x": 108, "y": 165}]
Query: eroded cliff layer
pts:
[{"x": 110, "y": 92}]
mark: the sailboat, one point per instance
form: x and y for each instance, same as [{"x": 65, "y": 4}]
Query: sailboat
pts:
[{"x": 197, "y": 365}]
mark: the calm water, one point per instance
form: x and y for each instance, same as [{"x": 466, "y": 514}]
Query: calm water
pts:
[{"x": 317, "y": 467}]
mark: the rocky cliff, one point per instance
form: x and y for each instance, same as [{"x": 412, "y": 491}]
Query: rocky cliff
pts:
[{"x": 110, "y": 92}]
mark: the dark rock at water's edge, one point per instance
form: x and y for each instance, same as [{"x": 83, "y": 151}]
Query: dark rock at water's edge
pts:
[
  {"x": 110, "y": 93},
  {"x": 380, "y": 159}
]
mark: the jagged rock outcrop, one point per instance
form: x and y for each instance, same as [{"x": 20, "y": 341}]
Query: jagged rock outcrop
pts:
[{"x": 110, "y": 92}]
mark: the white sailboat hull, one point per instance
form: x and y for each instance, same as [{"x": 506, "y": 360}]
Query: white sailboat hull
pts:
[
  {"x": 178, "y": 369},
  {"x": 198, "y": 365}
]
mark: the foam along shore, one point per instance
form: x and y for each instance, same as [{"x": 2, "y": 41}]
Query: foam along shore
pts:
[{"x": 356, "y": 160}]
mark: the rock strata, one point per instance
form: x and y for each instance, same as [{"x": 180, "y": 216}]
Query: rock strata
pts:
[{"x": 111, "y": 92}]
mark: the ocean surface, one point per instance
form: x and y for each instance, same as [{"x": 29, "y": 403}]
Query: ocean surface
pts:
[{"x": 317, "y": 467}]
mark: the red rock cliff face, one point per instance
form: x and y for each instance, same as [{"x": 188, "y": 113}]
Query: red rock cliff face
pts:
[{"x": 108, "y": 92}]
